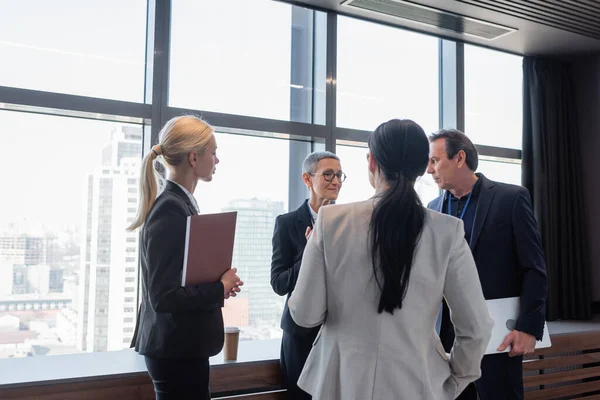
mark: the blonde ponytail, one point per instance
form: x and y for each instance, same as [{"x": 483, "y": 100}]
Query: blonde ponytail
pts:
[
  {"x": 179, "y": 137},
  {"x": 148, "y": 190}
]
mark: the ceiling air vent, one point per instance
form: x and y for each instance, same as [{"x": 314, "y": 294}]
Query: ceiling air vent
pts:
[
  {"x": 432, "y": 17},
  {"x": 577, "y": 16}
]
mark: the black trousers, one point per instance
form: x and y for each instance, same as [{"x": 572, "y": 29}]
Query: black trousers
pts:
[
  {"x": 501, "y": 375},
  {"x": 180, "y": 378},
  {"x": 294, "y": 352}
]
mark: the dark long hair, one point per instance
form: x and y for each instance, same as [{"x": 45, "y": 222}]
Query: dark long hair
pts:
[{"x": 401, "y": 151}]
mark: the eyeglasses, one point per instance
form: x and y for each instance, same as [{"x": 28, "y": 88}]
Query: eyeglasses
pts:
[{"x": 328, "y": 175}]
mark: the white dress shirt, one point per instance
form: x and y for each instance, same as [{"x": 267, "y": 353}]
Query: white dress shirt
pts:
[{"x": 313, "y": 214}]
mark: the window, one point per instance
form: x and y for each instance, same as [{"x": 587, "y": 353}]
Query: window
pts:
[
  {"x": 40, "y": 50},
  {"x": 58, "y": 231},
  {"x": 385, "y": 73},
  {"x": 493, "y": 97},
  {"x": 239, "y": 59},
  {"x": 427, "y": 189},
  {"x": 501, "y": 170},
  {"x": 354, "y": 164},
  {"x": 263, "y": 59},
  {"x": 259, "y": 194},
  {"x": 357, "y": 186}
]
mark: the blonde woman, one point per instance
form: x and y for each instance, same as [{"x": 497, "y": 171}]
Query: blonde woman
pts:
[{"x": 178, "y": 328}]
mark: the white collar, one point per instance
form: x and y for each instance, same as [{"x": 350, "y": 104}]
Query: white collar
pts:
[{"x": 189, "y": 195}]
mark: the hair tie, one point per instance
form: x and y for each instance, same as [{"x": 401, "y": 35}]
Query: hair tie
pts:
[{"x": 157, "y": 150}]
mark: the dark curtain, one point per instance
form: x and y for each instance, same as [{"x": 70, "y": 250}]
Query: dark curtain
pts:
[{"x": 552, "y": 173}]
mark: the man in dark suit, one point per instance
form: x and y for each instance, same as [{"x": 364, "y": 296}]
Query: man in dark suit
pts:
[
  {"x": 502, "y": 232},
  {"x": 323, "y": 176}
]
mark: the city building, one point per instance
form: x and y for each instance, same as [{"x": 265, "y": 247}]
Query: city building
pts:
[
  {"x": 252, "y": 257},
  {"x": 109, "y": 254}
]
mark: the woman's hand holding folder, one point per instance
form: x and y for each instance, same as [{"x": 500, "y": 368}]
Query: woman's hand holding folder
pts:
[{"x": 231, "y": 283}]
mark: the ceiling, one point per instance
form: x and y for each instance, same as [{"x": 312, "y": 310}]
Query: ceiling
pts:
[{"x": 543, "y": 27}]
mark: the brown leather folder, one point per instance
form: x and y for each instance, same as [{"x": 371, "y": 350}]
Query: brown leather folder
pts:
[{"x": 208, "y": 247}]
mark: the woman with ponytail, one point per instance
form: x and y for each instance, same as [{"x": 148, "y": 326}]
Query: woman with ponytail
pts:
[
  {"x": 374, "y": 274},
  {"x": 178, "y": 328}
]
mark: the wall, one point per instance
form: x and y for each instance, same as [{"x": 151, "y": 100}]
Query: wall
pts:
[{"x": 586, "y": 74}]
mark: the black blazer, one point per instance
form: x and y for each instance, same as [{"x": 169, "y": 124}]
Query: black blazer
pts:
[
  {"x": 174, "y": 321},
  {"x": 507, "y": 249},
  {"x": 289, "y": 241}
]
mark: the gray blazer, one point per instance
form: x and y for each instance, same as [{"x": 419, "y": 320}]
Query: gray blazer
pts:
[{"x": 360, "y": 354}]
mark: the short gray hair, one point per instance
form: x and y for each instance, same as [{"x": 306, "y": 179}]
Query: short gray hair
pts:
[
  {"x": 456, "y": 141},
  {"x": 310, "y": 162}
]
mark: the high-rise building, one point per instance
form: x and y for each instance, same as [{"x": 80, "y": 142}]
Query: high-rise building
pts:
[
  {"x": 109, "y": 259},
  {"x": 25, "y": 250},
  {"x": 252, "y": 257},
  {"x": 25, "y": 259},
  {"x": 125, "y": 144}
]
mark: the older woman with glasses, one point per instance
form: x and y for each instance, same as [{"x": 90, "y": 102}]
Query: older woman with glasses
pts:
[{"x": 323, "y": 176}]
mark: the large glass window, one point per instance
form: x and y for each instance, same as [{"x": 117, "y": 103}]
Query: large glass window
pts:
[
  {"x": 357, "y": 186},
  {"x": 68, "y": 268},
  {"x": 493, "y": 97},
  {"x": 252, "y": 178},
  {"x": 91, "y": 48},
  {"x": 240, "y": 59},
  {"x": 385, "y": 73}
]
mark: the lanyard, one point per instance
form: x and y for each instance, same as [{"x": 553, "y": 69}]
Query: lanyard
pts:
[{"x": 464, "y": 209}]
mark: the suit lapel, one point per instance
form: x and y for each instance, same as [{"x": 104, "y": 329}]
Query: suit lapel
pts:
[
  {"x": 486, "y": 195},
  {"x": 192, "y": 208},
  {"x": 303, "y": 221},
  {"x": 171, "y": 187}
]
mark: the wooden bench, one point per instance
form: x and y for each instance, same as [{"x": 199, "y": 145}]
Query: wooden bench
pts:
[
  {"x": 570, "y": 369},
  {"x": 261, "y": 380}
]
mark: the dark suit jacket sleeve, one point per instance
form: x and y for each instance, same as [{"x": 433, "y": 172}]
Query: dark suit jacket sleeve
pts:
[
  {"x": 284, "y": 270},
  {"x": 165, "y": 250},
  {"x": 531, "y": 260}
]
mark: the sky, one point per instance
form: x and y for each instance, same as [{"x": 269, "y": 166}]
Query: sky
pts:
[{"x": 230, "y": 56}]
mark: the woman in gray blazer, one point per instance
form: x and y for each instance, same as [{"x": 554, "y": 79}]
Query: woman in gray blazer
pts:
[{"x": 374, "y": 274}]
